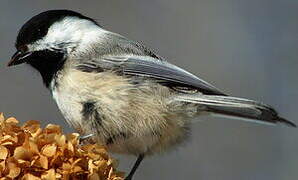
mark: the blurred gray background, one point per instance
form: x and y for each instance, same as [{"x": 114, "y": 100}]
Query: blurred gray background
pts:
[{"x": 247, "y": 48}]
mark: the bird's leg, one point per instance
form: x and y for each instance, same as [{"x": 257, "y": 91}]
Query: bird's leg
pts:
[
  {"x": 135, "y": 167},
  {"x": 85, "y": 137}
]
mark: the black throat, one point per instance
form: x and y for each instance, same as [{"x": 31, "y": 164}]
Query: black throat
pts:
[{"x": 48, "y": 63}]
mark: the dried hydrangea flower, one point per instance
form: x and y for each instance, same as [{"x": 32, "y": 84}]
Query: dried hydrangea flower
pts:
[{"x": 30, "y": 152}]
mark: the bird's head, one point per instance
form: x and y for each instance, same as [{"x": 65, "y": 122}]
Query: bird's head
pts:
[{"x": 48, "y": 38}]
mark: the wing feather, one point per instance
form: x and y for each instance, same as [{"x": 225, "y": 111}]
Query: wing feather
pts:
[{"x": 153, "y": 68}]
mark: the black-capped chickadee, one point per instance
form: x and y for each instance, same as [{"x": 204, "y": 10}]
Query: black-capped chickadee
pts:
[{"x": 130, "y": 99}]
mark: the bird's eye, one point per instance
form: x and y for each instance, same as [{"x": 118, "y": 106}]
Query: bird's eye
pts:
[{"x": 23, "y": 49}]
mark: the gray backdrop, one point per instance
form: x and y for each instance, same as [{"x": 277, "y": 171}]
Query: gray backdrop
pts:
[{"x": 247, "y": 48}]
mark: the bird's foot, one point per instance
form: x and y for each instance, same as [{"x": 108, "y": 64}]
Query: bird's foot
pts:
[
  {"x": 135, "y": 167},
  {"x": 85, "y": 138},
  {"x": 128, "y": 178}
]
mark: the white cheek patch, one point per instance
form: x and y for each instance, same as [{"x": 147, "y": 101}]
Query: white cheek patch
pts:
[{"x": 70, "y": 32}]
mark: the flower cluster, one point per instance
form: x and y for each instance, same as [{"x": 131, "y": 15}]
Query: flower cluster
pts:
[{"x": 30, "y": 152}]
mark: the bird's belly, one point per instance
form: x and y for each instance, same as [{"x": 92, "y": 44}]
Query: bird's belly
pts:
[
  {"x": 124, "y": 118},
  {"x": 123, "y": 133},
  {"x": 151, "y": 143}
]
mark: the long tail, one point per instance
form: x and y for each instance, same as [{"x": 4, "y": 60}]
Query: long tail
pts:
[{"x": 236, "y": 107}]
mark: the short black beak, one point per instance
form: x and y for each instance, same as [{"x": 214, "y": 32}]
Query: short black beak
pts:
[{"x": 19, "y": 58}]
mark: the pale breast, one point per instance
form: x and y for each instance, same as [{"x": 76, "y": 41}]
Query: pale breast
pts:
[{"x": 127, "y": 118}]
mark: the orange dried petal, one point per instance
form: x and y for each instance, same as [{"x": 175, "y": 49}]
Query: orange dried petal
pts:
[
  {"x": 12, "y": 120},
  {"x": 102, "y": 164},
  {"x": 9, "y": 138},
  {"x": 2, "y": 166},
  {"x": 31, "y": 126},
  {"x": 77, "y": 169},
  {"x": 36, "y": 133},
  {"x": 7, "y": 143},
  {"x": 1, "y": 117},
  {"x": 70, "y": 147},
  {"x": 30, "y": 177},
  {"x": 110, "y": 172},
  {"x": 60, "y": 140},
  {"x": 92, "y": 167},
  {"x": 76, "y": 161},
  {"x": 66, "y": 166},
  {"x": 94, "y": 156},
  {"x": 49, "y": 175},
  {"x": 94, "y": 176},
  {"x": 52, "y": 128},
  {"x": 46, "y": 138},
  {"x": 43, "y": 161},
  {"x": 3, "y": 152},
  {"x": 49, "y": 150},
  {"x": 31, "y": 123},
  {"x": 22, "y": 153},
  {"x": 33, "y": 147},
  {"x": 14, "y": 171},
  {"x": 73, "y": 138},
  {"x": 58, "y": 176},
  {"x": 110, "y": 162}
]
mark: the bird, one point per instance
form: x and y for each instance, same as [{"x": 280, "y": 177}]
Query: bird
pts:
[{"x": 119, "y": 93}]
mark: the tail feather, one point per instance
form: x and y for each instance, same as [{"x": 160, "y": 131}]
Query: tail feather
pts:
[{"x": 236, "y": 107}]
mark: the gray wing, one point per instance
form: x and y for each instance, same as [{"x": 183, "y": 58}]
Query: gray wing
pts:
[{"x": 152, "y": 68}]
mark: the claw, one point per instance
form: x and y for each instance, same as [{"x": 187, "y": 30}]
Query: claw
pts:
[{"x": 85, "y": 137}]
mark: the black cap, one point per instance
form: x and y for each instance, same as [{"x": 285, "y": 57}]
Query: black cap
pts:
[{"x": 37, "y": 27}]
